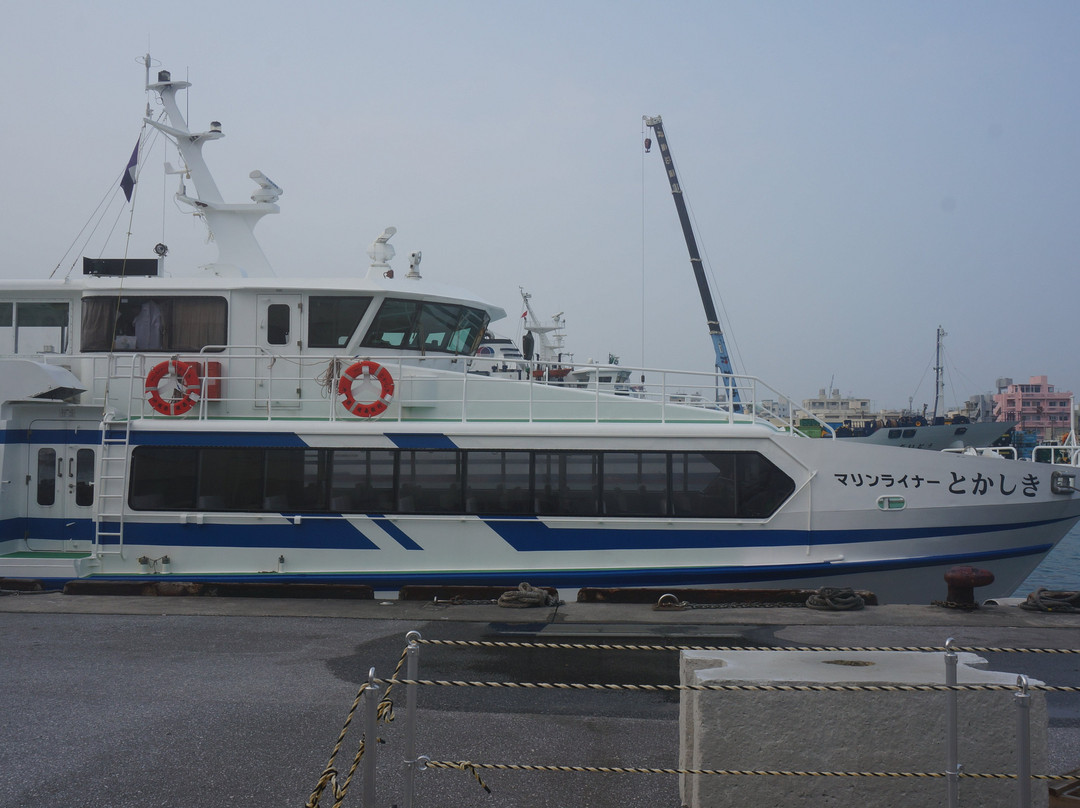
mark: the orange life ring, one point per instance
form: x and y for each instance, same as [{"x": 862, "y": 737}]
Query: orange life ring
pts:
[
  {"x": 366, "y": 370},
  {"x": 186, "y": 387}
]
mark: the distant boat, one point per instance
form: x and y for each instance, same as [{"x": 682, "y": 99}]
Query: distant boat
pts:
[{"x": 937, "y": 437}]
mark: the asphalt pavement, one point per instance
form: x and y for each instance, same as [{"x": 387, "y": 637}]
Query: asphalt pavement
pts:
[{"x": 200, "y": 701}]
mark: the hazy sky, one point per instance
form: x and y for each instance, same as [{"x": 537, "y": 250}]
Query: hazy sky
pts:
[{"x": 859, "y": 172}]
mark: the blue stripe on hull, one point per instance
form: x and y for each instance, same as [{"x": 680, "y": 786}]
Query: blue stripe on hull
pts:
[
  {"x": 322, "y": 534},
  {"x": 532, "y": 535},
  {"x": 693, "y": 576},
  {"x": 523, "y": 535}
]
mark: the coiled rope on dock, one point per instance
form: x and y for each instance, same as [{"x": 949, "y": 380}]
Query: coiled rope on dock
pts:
[{"x": 1047, "y": 600}]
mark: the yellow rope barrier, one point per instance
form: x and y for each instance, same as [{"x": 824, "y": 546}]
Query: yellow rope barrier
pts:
[
  {"x": 384, "y": 712},
  {"x": 767, "y": 688},
  {"x": 524, "y": 767},
  {"x": 975, "y": 649}
]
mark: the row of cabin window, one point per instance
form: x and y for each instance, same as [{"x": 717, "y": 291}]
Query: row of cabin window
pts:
[
  {"x": 491, "y": 482},
  {"x": 190, "y": 323}
]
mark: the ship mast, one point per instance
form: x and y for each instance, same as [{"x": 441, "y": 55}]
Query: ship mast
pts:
[
  {"x": 939, "y": 379},
  {"x": 232, "y": 226}
]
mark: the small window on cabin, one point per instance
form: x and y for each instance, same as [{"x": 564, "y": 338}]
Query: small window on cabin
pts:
[
  {"x": 278, "y": 316},
  {"x": 46, "y": 476},
  {"x": 153, "y": 323},
  {"x": 393, "y": 324},
  {"x": 40, "y": 328},
  {"x": 84, "y": 477},
  {"x": 333, "y": 320},
  {"x": 7, "y": 333}
]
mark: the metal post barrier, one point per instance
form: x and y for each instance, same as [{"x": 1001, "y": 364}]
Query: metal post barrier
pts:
[
  {"x": 412, "y": 666},
  {"x": 952, "y": 755},
  {"x": 371, "y": 707},
  {"x": 1023, "y": 743}
]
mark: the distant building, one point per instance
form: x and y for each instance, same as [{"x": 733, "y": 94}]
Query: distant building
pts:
[
  {"x": 980, "y": 407},
  {"x": 832, "y": 408},
  {"x": 1036, "y": 407}
]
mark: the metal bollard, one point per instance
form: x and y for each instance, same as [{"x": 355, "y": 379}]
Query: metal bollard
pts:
[
  {"x": 952, "y": 754},
  {"x": 371, "y": 712},
  {"x": 1023, "y": 743},
  {"x": 412, "y": 667}
]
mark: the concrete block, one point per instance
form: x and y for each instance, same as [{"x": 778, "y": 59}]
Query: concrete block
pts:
[{"x": 848, "y": 731}]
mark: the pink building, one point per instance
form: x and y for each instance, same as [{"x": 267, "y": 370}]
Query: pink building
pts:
[{"x": 1035, "y": 406}]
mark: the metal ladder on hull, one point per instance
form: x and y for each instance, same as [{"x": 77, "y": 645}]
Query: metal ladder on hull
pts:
[{"x": 111, "y": 486}]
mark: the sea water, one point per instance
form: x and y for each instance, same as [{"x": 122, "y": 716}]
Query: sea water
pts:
[{"x": 1060, "y": 570}]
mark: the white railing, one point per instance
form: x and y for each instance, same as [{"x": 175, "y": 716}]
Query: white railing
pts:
[{"x": 250, "y": 382}]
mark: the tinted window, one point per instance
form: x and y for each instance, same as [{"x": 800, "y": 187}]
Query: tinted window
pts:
[
  {"x": 635, "y": 483},
  {"x": 362, "y": 480},
  {"x": 498, "y": 482},
  {"x": 427, "y": 327},
  {"x": 695, "y": 485},
  {"x": 46, "y": 476},
  {"x": 142, "y": 323},
  {"x": 84, "y": 477},
  {"x": 430, "y": 482},
  {"x": 278, "y": 317},
  {"x": 333, "y": 320}
]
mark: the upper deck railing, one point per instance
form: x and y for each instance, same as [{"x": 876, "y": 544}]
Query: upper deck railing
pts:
[{"x": 246, "y": 382}]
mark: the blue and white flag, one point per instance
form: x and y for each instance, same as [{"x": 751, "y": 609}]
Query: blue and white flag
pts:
[{"x": 127, "y": 182}]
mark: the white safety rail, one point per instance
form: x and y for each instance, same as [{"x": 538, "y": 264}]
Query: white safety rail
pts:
[{"x": 247, "y": 382}]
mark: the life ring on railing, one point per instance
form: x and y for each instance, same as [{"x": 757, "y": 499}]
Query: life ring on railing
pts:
[
  {"x": 186, "y": 389},
  {"x": 366, "y": 370}
]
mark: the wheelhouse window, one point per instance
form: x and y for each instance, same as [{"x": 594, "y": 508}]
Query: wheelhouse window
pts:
[
  {"x": 486, "y": 482},
  {"x": 145, "y": 323},
  {"x": 426, "y": 327},
  {"x": 333, "y": 320}
]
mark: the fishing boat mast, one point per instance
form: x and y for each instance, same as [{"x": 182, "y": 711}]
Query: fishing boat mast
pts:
[
  {"x": 723, "y": 361},
  {"x": 939, "y": 380}
]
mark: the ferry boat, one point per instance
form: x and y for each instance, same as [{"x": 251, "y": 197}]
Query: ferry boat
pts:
[{"x": 234, "y": 425}]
